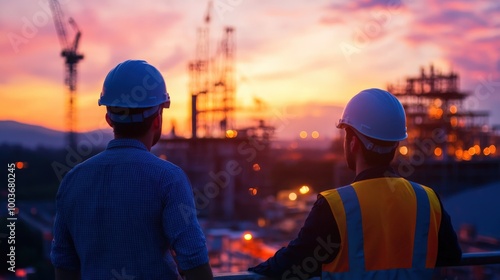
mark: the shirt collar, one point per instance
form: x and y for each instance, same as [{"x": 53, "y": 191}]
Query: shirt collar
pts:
[
  {"x": 376, "y": 172},
  {"x": 126, "y": 143}
]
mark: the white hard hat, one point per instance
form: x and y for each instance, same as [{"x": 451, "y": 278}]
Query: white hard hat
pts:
[
  {"x": 377, "y": 114},
  {"x": 134, "y": 84}
]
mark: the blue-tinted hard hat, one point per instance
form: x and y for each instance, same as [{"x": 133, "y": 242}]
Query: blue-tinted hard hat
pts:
[
  {"x": 377, "y": 114},
  {"x": 134, "y": 84}
]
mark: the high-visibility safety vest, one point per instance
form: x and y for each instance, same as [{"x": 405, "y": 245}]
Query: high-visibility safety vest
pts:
[{"x": 388, "y": 229}]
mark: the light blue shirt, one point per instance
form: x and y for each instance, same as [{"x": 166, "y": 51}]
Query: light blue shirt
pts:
[{"x": 121, "y": 212}]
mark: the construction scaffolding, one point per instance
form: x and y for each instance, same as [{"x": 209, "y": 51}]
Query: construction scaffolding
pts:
[
  {"x": 212, "y": 84},
  {"x": 439, "y": 124}
]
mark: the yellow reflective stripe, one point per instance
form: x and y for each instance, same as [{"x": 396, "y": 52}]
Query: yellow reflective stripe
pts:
[
  {"x": 341, "y": 262},
  {"x": 387, "y": 230}
]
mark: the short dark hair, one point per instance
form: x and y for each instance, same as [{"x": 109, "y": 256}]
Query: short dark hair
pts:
[
  {"x": 371, "y": 157},
  {"x": 130, "y": 129}
]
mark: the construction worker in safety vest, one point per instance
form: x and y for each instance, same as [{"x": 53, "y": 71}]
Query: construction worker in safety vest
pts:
[
  {"x": 381, "y": 226},
  {"x": 123, "y": 213}
]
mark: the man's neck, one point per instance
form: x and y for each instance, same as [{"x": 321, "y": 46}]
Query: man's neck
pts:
[{"x": 147, "y": 140}]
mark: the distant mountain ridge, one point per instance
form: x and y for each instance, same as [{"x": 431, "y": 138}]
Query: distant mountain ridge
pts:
[{"x": 34, "y": 136}]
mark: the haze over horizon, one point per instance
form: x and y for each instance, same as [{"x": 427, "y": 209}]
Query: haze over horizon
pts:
[{"x": 303, "y": 59}]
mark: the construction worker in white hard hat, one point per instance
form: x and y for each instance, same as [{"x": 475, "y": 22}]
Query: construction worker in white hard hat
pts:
[
  {"x": 121, "y": 213},
  {"x": 381, "y": 226}
]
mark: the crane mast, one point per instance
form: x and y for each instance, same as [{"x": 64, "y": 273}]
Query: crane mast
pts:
[{"x": 71, "y": 59}]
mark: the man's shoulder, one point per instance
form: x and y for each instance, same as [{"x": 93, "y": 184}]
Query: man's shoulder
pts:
[
  {"x": 144, "y": 159},
  {"x": 425, "y": 187}
]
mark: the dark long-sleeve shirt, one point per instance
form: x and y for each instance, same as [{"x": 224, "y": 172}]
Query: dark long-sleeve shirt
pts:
[{"x": 320, "y": 230}]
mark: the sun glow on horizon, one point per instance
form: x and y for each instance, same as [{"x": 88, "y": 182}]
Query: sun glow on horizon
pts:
[{"x": 293, "y": 66}]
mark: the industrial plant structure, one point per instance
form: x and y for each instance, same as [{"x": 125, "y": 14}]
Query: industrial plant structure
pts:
[{"x": 440, "y": 126}]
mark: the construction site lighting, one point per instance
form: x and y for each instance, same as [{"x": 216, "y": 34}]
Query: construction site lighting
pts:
[
  {"x": 477, "y": 149},
  {"x": 256, "y": 167},
  {"x": 467, "y": 156},
  {"x": 493, "y": 149},
  {"x": 454, "y": 121},
  {"x": 304, "y": 189},
  {"x": 453, "y": 109},
  {"x": 252, "y": 191},
  {"x": 231, "y": 133},
  {"x": 247, "y": 236},
  {"x": 438, "y": 151}
]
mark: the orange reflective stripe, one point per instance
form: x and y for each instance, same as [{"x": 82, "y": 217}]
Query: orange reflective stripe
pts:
[
  {"x": 341, "y": 262},
  {"x": 435, "y": 222},
  {"x": 386, "y": 204}
]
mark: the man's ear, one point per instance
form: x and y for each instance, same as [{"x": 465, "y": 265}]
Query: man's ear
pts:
[
  {"x": 157, "y": 120},
  {"x": 354, "y": 144},
  {"x": 108, "y": 120}
]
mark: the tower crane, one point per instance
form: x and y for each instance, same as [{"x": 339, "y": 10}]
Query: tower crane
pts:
[{"x": 71, "y": 59}]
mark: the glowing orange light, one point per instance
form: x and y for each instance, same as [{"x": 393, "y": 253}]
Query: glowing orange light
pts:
[
  {"x": 315, "y": 134},
  {"x": 19, "y": 165},
  {"x": 454, "y": 121},
  {"x": 304, "y": 189},
  {"x": 453, "y": 109},
  {"x": 467, "y": 156},
  {"x": 471, "y": 151},
  {"x": 438, "y": 151},
  {"x": 493, "y": 149},
  {"x": 247, "y": 236},
  {"x": 477, "y": 149},
  {"x": 292, "y": 196},
  {"x": 252, "y": 191},
  {"x": 440, "y": 113},
  {"x": 231, "y": 133},
  {"x": 486, "y": 151},
  {"x": 403, "y": 150},
  {"x": 256, "y": 167},
  {"x": 303, "y": 134},
  {"x": 459, "y": 153}
]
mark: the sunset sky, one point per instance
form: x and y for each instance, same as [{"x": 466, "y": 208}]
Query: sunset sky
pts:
[{"x": 304, "y": 59}]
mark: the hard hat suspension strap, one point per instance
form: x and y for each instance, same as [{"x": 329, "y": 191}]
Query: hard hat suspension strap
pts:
[
  {"x": 370, "y": 146},
  {"x": 133, "y": 118}
]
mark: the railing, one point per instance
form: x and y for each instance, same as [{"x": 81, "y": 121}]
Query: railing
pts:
[
  {"x": 482, "y": 258},
  {"x": 468, "y": 259}
]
